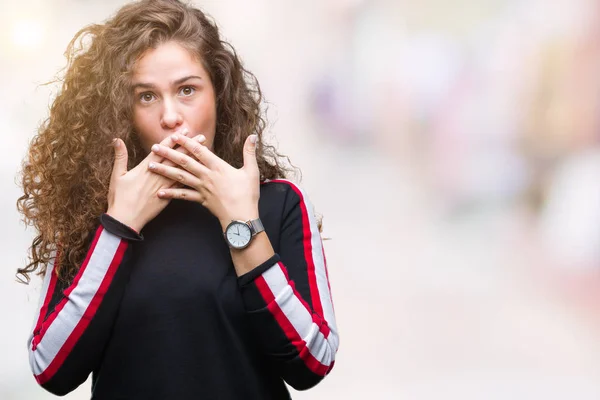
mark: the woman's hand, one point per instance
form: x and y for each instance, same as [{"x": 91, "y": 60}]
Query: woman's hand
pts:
[
  {"x": 132, "y": 195},
  {"x": 227, "y": 192}
]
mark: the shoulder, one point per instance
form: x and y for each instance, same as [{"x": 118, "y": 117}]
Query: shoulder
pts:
[
  {"x": 281, "y": 191},
  {"x": 285, "y": 199},
  {"x": 282, "y": 205}
]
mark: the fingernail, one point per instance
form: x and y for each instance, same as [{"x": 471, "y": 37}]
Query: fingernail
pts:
[
  {"x": 201, "y": 138},
  {"x": 155, "y": 148},
  {"x": 161, "y": 193},
  {"x": 184, "y": 131},
  {"x": 115, "y": 142},
  {"x": 151, "y": 165},
  {"x": 253, "y": 139},
  {"x": 175, "y": 137}
]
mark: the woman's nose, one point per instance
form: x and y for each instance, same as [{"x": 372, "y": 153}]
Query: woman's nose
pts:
[{"x": 171, "y": 117}]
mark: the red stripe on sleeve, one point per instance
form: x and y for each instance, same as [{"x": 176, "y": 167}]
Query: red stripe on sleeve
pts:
[
  {"x": 49, "y": 291},
  {"x": 308, "y": 250}
]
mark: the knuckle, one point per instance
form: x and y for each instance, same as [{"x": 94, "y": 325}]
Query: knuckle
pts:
[
  {"x": 180, "y": 178},
  {"x": 183, "y": 161}
]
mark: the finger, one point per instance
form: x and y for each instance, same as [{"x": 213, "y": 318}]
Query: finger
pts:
[
  {"x": 250, "y": 162},
  {"x": 167, "y": 142},
  {"x": 200, "y": 152},
  {"x": 181, "y": 160},
  {"x": 120, "y": 163},
  {"x": 178, "y": 175},
  {"x": 181, "y": 193},
  {"x": 181, "y": 149}
]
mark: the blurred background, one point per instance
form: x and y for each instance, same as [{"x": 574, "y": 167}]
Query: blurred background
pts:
[{"x": 453, "y": 149}]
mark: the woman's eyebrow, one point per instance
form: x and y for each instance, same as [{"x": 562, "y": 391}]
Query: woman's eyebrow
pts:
[
  {"x": 185, "y": 78},
  {"x": 179, "y": 81}
]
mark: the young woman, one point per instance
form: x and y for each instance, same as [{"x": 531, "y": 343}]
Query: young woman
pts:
[{"x": 177, "y": 261}]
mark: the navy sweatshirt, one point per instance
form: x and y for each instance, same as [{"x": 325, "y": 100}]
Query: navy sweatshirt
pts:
[{"x": 163, "y": 315}]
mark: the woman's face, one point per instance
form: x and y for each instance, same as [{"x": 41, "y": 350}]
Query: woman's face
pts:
[{"x": 172, "y": 90}]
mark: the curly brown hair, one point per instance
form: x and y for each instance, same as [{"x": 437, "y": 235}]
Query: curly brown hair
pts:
[{"x": 66, "y": 173}]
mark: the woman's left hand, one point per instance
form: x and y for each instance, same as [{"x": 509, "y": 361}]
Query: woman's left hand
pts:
[{"x": 227, "y": 192}]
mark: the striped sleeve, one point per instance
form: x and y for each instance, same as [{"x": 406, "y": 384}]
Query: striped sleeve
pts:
[
  {"x": 74, "y": 319},
  {"x": 290, "y": 304}
]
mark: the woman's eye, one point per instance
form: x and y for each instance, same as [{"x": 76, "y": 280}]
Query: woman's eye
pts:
[
  {"x": 146, "y": 97},
  {"x": 187, "y": 90}
]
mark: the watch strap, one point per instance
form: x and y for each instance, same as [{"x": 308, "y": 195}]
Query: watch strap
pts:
[{"x": 256, "y": 226}]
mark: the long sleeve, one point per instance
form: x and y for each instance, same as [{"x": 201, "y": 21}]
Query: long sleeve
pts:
[
  {"x": 288, "y": 298},
  {"x": 74, "y": 320}
]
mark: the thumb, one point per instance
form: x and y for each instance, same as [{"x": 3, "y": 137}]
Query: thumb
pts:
[
  {"x": 120, "y": 164},
  {"x": 250, "y": 152}
]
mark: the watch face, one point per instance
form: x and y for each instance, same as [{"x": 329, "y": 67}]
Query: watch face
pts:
[{"x": 238, "y": 235}]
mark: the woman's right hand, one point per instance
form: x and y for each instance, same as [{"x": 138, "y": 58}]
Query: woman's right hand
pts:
[{"x": 132, "y": 195}]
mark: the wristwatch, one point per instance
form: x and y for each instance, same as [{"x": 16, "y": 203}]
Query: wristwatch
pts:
[{"x": 239, "y": 234}]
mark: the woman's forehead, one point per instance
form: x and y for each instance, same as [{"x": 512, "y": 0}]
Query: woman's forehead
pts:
[{"x": 168, "y": 61}]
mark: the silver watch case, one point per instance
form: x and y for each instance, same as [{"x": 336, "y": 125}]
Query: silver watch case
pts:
[{"x": 255, "y": 226}]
